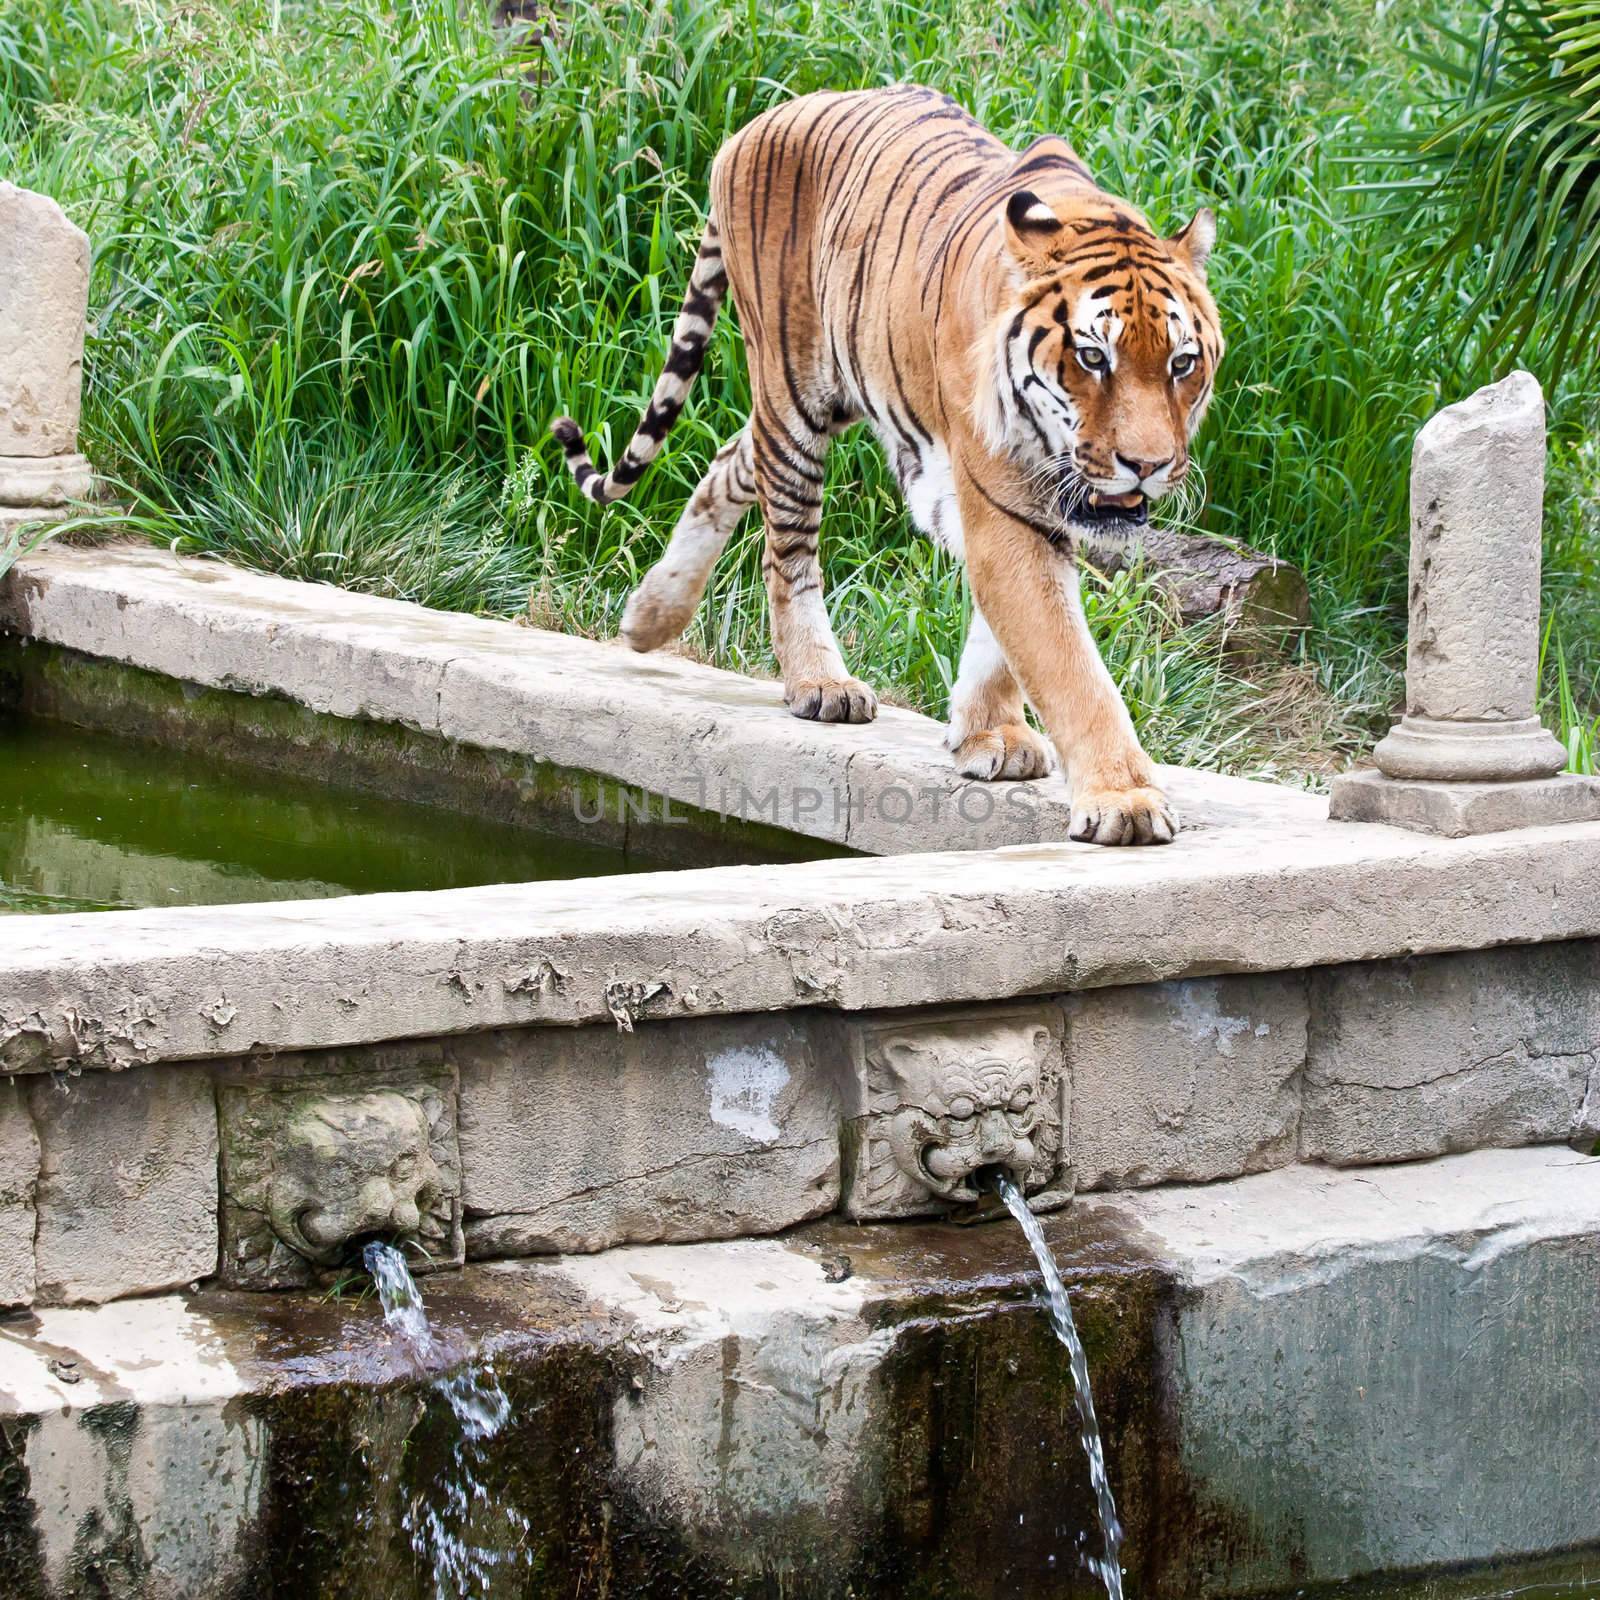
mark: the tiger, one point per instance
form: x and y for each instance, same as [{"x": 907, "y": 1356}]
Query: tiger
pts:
[{"x": 1034, "y": 359}]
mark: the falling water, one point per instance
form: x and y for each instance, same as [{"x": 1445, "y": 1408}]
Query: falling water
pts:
[
  {"x": 438, "y": 1523},
  {"x": 1109, "y": 1567}
]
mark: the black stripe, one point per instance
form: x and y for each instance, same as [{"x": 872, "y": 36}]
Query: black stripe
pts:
[
  {"x": 1051, "y": 534},
  {"x": 685, "y": 360}
]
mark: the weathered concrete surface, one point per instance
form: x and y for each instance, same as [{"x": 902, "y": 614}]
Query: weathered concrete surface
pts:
[
  {"x": 1304, "y": 1376},
  {"x": 141, "y": 1468},
  {"x": 1382, "y": 1371},
  {"x": 1453, "y": 1052},
  {"x": 44, "y": 298},
  {"x": 127, "y": 1194},
  {"x": 1186, "y": 1081},
  {"x": 1262, "y": 881},
  {"x": 633, "y": 1131},
  {"x": 19, "y": 1180},
  {"x": 698, "y": 735},
  {"x": 116, "y": 988},
  {"x": 1457, "y": 810},
  {"x": 580, "y": 1139}
]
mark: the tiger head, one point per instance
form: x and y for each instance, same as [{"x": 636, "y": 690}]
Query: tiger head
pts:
[{"x": 1106, "y": 352}]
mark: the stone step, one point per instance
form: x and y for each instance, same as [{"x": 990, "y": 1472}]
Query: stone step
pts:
[{"x": 1303, "y": 1376}]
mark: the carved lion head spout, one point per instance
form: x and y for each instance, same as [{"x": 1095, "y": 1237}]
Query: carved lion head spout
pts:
[
  {"x": 352, "y": 1167},
  {"x": 959, "y": 1116}
]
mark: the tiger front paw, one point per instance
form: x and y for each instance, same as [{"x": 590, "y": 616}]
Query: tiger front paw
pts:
[
  {"x": 831, "y": 700},
  {"x": 1123, "y": 816},
  {"x": 1012, "y": 750}
]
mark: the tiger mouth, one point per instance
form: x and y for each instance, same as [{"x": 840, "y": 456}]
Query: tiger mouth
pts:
[{"x": 1129, "y": 510}]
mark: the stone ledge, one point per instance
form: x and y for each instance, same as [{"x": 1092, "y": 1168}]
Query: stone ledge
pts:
[
  {"x": 696, "y": 734},
  {"x": 583, "y": 1139},
  {"x": 117, "y": 988}
]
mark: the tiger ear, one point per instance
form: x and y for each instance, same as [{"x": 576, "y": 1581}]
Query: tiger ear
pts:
[
  {"x": 1032, "y": 228},
  {"x": 1196, "y": 238}
]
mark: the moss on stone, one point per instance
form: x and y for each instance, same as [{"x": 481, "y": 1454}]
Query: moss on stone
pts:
[{"x": 271, "y": 733}]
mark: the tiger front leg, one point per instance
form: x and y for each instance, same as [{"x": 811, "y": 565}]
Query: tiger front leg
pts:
[
  {"x": 988, "y": 733},
  {"x": 1027, "y": 589}
]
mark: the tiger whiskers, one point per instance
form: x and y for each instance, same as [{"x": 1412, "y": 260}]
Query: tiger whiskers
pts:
[
  {"x": 1179, "y": 509},
  {"x": 1057, "y": 482}
]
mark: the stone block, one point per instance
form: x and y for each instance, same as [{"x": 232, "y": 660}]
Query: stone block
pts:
[
  {"x": 19, "y": 1180},
  {"x": 44, "y": 300},
  {"x": 1458, "y": 810},
  {"x": 1380, "y": 1374},
  {"x": 934, "y": 1096},
  {"x": 326, "y": 1151},
  {"x": 1187, "y": 1081},
  {"x": 127, "y": 1196},
  {"x": 1451, "y": 1052},
  {"x": 702, "y": 1129}
]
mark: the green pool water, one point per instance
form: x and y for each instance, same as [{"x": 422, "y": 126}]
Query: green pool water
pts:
[{"x": 90, "y": 822}]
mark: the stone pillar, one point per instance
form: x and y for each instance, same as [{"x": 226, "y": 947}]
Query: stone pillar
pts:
[
  {"x": 1469, "y": 755},
  {"x": 44, "y": 299}
]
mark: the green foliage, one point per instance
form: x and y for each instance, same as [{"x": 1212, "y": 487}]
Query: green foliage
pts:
[
  {"x": 352, "y": 255},
  {"x": 1512, "y": 166},
  {"x": 22, "y": 539}
]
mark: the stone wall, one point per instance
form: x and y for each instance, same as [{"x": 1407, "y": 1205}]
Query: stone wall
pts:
[
  {"x": 527, "y": 1141},
  {"x": 1302, "y": 1377}
]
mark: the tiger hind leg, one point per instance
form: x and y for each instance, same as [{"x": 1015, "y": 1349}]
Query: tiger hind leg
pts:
[
  {"x": 989, "y": 733},
  {"x": 789, "y": 452},
  {"x": 660, "y": 608}
]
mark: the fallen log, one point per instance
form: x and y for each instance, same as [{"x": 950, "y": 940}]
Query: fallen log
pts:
[{"x": 1260, "y": 596}]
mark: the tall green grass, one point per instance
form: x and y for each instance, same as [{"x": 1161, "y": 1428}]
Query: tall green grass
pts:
[{"x": 352, "y": 256}]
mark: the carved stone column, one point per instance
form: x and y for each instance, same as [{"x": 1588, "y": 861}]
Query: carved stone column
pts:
[
  {"x": 44, "y": 299},
  {"x": 1469, "y": 755}
]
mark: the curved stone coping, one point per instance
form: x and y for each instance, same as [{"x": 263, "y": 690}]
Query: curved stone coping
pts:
[
  {"x": 696, "y": 734},
  {"x": 111, "y": 989},
  {"x": 1260, "y": 880}
]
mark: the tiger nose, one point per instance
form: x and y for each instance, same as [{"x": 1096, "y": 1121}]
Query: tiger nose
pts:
[{"x": 1142, "y": 470}]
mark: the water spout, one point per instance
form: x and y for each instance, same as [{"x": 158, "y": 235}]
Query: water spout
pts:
[
  {"x": 1108, "y": 1567},
  {"x": 438, "y": 1524}
]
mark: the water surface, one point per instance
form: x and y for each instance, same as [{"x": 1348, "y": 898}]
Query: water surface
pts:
[{"x": 92, "y": 823}]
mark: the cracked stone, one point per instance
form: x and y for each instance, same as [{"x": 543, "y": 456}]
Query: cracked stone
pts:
[
  {"x": 586, "y": 1138},
  {"x": 1451, "y": 1052},
  {"x": 1186, "y": 1081}
]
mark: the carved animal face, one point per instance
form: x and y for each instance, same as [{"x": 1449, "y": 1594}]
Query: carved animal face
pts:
[
  {"x": 1107, "y": 354},
  {"x": 958, "y": 1115},
  {"x": 352, "y": 1167}
]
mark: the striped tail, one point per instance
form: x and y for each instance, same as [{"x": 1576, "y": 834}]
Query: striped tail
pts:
[{"x": 708, "y": 283}]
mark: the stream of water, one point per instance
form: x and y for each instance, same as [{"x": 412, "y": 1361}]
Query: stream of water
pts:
[
  {"x": 439, "y": 1522},
  {"x": 1108, "y": 1566}
]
